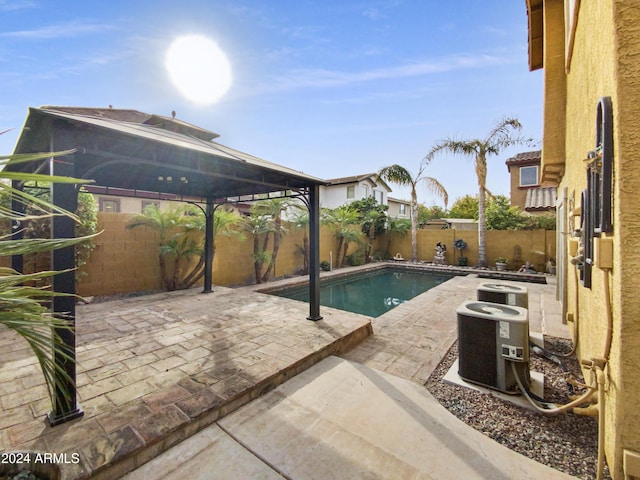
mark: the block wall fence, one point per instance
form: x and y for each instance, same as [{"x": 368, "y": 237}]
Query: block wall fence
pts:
[{"x": 127, "y": 260}]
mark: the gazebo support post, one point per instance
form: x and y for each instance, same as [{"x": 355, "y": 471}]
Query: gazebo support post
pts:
[
  {"x": 65, "y": 405},
  {"x": 17, "y": 261},
  {"x": 314, "y": 253},
  {"x": 208, "y": 246}
]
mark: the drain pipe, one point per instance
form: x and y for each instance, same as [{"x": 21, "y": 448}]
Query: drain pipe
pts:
[
  {"x": 601, "y": 381},
  {"x": 596, "y": 366},
  {"x": 551, "y": 408}
]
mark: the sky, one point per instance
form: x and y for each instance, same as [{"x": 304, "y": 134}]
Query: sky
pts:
[{"x": 332, "y": 88}]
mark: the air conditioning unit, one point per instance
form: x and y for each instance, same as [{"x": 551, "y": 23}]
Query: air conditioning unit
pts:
[
  {"x": 490, "y": 337},
  {"x": 503, "y": 293}
]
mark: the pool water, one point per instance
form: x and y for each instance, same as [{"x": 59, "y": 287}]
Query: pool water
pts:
[{"x": 369, "y": 293}]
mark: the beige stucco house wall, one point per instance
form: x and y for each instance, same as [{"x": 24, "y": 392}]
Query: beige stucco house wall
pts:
[{"x": 590, "y": 50}]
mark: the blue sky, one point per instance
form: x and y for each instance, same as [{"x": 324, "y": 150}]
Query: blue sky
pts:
[{"x": 332, "y": 88}]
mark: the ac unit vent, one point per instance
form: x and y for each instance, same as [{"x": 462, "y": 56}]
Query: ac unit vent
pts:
[
  {"x": 503, "y": 293},
  {"x": 490, "y": 335}
]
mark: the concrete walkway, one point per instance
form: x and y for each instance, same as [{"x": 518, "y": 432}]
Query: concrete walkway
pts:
[
  {"x": 340, "y": 419},
  {"x": 365, "y": 415}
]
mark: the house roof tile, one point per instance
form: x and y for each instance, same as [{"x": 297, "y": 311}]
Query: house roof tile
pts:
[
  {"x": 525, "y": 158},
  {"x": 541, "y": 198}
]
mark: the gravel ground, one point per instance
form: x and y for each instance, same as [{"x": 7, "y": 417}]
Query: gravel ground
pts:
[{"x": 566, "y": 442}]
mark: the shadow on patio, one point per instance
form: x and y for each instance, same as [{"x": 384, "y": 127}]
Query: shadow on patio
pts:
[{"x": 154, "y": 370}]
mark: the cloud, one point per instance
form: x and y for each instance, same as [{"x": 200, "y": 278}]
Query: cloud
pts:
[
  {"x": 322, "y": 78},
  {"x": 13, "y": 5},
  {"x": 372, "y": 14},
  {"x": 62, "y": 30}
]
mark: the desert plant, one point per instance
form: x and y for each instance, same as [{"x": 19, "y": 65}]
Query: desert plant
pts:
[
  {"x": 401, "y": 176},
  {"x": 499, "y": 138},
  {"x": 24, "y": 309}
]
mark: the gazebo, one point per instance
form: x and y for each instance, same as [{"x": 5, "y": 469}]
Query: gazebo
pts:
[{"x": 128, "y": 149}]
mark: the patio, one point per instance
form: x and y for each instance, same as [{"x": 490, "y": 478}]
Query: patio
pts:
[{"x": 155, "y": 370}]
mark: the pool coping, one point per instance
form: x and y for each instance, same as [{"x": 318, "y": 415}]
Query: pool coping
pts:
[{"x": 296, "y": 281}]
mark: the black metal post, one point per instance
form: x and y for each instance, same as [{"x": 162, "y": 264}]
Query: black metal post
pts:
[
  {"x": 65, "y": 405},
  {"x": 314, "y": 253},
  {"x": 208, "y": 247},
  {"x": 17, "y": 261}
]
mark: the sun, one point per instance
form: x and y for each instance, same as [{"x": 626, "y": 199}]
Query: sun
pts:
[{"x": 198, "y": 68}]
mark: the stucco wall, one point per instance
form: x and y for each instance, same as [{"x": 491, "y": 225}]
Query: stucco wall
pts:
[
  {"x": 605, "y": 63},
  {"x": 127, "y": 260}
]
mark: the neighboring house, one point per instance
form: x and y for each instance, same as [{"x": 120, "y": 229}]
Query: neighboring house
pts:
[
  {"x": 118, "y": 200},
  {"x": 341, "y": 191},
  {"x": 462, "y": 223},
  {"x": 399, "y": 209},
  {"x": 528, "y": 192},
  {"x": 591, "y": 146},
  {"x": 453, "y": 223}
]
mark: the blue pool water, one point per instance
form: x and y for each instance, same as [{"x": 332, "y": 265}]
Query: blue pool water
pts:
[{"x": 369, "y": 293}]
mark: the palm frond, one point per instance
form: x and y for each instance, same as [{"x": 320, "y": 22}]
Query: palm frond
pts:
[
  {"x": 396, "y": 174},
  {"x": 36, "y": 245},
  {"x": 31, "y": 157},
  {"x": 435, "y": 187}
]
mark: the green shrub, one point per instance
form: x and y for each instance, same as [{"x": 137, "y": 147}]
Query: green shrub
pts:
[{"x": 356, "y": 258}]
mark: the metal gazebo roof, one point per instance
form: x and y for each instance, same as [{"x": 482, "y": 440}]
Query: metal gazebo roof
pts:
[
  {"x": 133, "y": 150},
  {"x": 162, "y": 156}
]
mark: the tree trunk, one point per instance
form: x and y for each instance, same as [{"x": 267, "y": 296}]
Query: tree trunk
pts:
[
  {"x": 338, "y": 256},
  {"x": 305, "y": 254},
  {"x": 163, "y": 272},
  {"x": 257, "y": 264},
  {"x": 481, "y": 172},
  {"x": 414, "y": 225},
  {"x": 276, "y": 246},
  {"x": 345, "y": 247}
]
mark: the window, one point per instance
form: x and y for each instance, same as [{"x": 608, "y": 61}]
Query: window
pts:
[
  {"x": 351, "y": 191},
  {"x": 111, "y": 205},
  {"x": 403, "y": 209},
  {"x": 378, "y": 196},
  {"x": 528, "y": 176},
  {"x": 148, "y": 203}
]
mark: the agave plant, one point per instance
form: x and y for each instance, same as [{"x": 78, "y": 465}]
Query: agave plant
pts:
[{"x": 23, "y": 308}]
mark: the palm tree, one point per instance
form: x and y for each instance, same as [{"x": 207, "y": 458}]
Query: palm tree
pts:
[
  {"x": 396, "y": 227},
  {"x": 500, "y": 137},
  {"x": 259, "y": 226},
  {"x": 273, "y": 208},
  {"x": 401, "y": 176},
  {"x": 342, "y": 220},
  {"x": 300, "y": 221},
  {"x": 169, "y": 224},
  {"x": 223, "y": 222}
]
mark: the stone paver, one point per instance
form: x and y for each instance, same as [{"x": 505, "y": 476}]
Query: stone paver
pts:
[
  {"x": 411, "y": 340},
  {"x": 154, "y": 370}
]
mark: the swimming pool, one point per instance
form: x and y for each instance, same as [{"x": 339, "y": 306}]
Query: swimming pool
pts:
[{"x": 369, "y": 293}]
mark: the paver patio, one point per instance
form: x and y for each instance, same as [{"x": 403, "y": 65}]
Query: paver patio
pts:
[{"x": 154, "y": 370}]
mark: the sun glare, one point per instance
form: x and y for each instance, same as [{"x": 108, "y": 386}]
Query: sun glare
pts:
[{"x": 198, "y": 68}]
